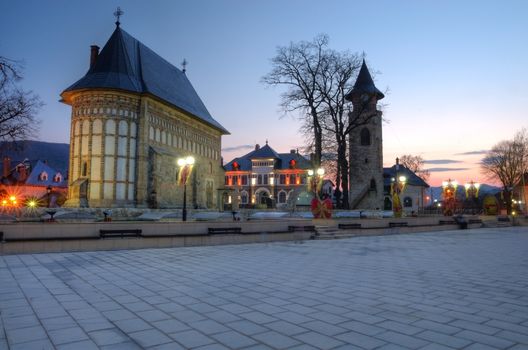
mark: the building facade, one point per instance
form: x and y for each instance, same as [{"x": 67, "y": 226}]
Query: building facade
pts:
[
  {"x": 133, "y": 115},
  {"x": 414, "y": 191},
  {"x": 365, "y": 144},
  {"x": 265, "y": 178}
]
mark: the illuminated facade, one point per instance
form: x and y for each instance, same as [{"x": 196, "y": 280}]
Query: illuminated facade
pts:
[
  {"x": 133, "y": 115},
  {"x": 265, "y": 177}
]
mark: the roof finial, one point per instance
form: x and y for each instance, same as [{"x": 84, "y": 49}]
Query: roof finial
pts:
[
  {"x": 184, "y": 65},
  {"x": 266, "y": 141},
  {"x": 118, "y": 13}
]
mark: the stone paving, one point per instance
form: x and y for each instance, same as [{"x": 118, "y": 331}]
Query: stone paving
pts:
[{"x": 444, "y": 290}]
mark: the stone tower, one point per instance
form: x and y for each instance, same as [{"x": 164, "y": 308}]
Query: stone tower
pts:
[
  {"x": 133, "y": 115},
  {"x": 366, "y": 144}
]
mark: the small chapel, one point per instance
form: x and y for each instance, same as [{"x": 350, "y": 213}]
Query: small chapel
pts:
[{"x": 133, "y": 114}]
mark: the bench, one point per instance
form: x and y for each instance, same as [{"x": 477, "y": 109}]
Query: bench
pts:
[
  {"x": 301, "y": 228},
  {"x": 446, "y": 222},
  {"x": 119, "y": 233},
  {"x": 503, "y": 219},
  {"x": 348, "y": 226},
  {"x": 475, "y": 221},
  {"x": 217, "y": 230},
  {"x": 398, "y": 224}
]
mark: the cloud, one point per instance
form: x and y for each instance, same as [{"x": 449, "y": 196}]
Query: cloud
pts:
[
  {"x": 441, "y": 170},
  {"x": 472, "y": 153},
  {"x": 237, "y": 148},
  {"x": 442, "y": 161}
]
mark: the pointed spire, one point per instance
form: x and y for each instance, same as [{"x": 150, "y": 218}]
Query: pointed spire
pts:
[
  {"x": 364, "y": 84},
  {"x": 184, "y": 65}
]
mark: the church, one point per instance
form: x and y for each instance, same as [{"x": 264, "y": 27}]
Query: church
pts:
[{"x": 133, "y": 115}]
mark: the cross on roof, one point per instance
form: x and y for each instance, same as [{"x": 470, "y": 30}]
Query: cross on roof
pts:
[{"x": 117, "y": 14}]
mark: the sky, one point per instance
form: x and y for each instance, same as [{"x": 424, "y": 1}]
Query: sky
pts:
[{"x": 455, "y": 72}]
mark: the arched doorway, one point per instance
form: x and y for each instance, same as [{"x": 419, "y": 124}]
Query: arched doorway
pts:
[{"x": 387, "y": 204}]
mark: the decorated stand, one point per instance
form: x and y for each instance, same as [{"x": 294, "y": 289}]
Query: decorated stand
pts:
[{"x": 321, "y": 207}]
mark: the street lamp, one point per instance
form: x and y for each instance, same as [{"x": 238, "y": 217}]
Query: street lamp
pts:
[
  {"x": 449, "y": 192},
  {"x": 397, "y": 187},
  {"x": 185, "y": 165},
  {"x": 315, "y": 177},
  {"x": 48, "y": 191}
]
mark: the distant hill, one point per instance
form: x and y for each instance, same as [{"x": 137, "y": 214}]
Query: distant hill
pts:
[
  {"x": 436, "y": 192},
  {"x": 56, "y": 154}
]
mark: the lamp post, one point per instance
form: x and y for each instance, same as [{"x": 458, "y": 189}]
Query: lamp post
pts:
[
  {"x": 472, "y": 190},
  {"x": 397, "y": 186},
  {"x": 449, "y": 192},
  {"x": 48, "y": 192},
  {"x": 315, "y": 177},
  {"x": 185, "y": 165}
]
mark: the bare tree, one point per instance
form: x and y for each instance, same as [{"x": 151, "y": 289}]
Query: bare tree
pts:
[
  {"x": 298, "y": 66},
  {"x": 506, "y": 162},
  {"x": 416, "y": 165},
  {"x": 17, "y": 107}
]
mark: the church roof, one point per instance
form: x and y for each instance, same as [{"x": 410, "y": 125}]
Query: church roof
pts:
[
  {"x": 412, "y": 178},
  {"x": 127, "y": 64},
  {"x": 266, "y": 152},
  {"x": 364, "y": 84}
]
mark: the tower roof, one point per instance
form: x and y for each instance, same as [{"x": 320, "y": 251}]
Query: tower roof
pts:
[
  {"x": 364, "y": 84},
  {"x": 127, "y": 64}
]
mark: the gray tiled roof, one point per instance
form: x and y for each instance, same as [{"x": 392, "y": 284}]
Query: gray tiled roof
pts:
[
  {"x": 266, "y": 152},
  {"x": 127, "y": 64},
  {"x": 412, "y": 178}
]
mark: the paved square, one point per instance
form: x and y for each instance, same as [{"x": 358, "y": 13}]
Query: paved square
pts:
[{"x": 443, "y": 290}]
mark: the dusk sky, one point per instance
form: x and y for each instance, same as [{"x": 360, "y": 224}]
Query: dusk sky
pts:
[{"x": 456, "y": 71}]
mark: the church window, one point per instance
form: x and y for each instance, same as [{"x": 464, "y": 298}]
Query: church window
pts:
[
  {"x": 282, "y": 197},
  {"x": 151, "y": 133},
  {"x": 126, "y": 113},
  {"x": 84, "y": 169},
  {"x": 259, "y": 179},
  {"x": 114, "y": 111},
  {"x": 210, "y": 168},
  {"x": 373, "y": 185},
  {"x": 407, "y": 202},
  {"x": 365, "y": 137}
]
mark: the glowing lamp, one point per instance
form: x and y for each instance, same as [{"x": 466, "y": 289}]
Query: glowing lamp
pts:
[
  {"x": 402, "y": 178},
  {"x": 310, "y": 172},
  {"x": 189, "y": 160},
  {"x": 181, "y": 162},
  {"x": 320, "y": 171},
  {"x": 12, "y": 198},
  {"x": 32, "y": 204}
]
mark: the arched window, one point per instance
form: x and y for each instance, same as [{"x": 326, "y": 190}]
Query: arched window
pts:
[
  {"x": 85, "y": 169},
  {"x": 57, "y": 177},
  {"x": 282, "y": 197},
  {"x": 365, "y": 137},
  {"x": 43, "y": 176},
  {"x": 373, "y": 185},
  {"x": 407, "y": 202},
  {"x": 244, "y": 197},
  {"x": 210, "y": 168}
]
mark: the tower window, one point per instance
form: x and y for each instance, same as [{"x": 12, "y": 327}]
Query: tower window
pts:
[
  {"x": 373, "y": 185},
  {"x": 85, "y": 169},
  {"x": 365, "y": 137}
]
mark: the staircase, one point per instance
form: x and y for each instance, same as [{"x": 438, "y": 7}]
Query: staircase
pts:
[
  {"x": 358, "y": 198},
  {"x": 330, "y": 232}
]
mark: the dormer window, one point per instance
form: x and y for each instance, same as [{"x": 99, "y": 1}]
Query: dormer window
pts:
[
  {"x": 57, "y": 177},
  {"x": 43, "y": 176}
]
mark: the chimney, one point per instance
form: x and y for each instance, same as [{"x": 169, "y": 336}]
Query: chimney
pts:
[
  {"x": 7, "y": 166},
  {"x": 22, "y": 173},
  {"x": 292, "y": 151},
  {"x": 94, "y": 52},
  {"x": 257, "y": 147}
]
